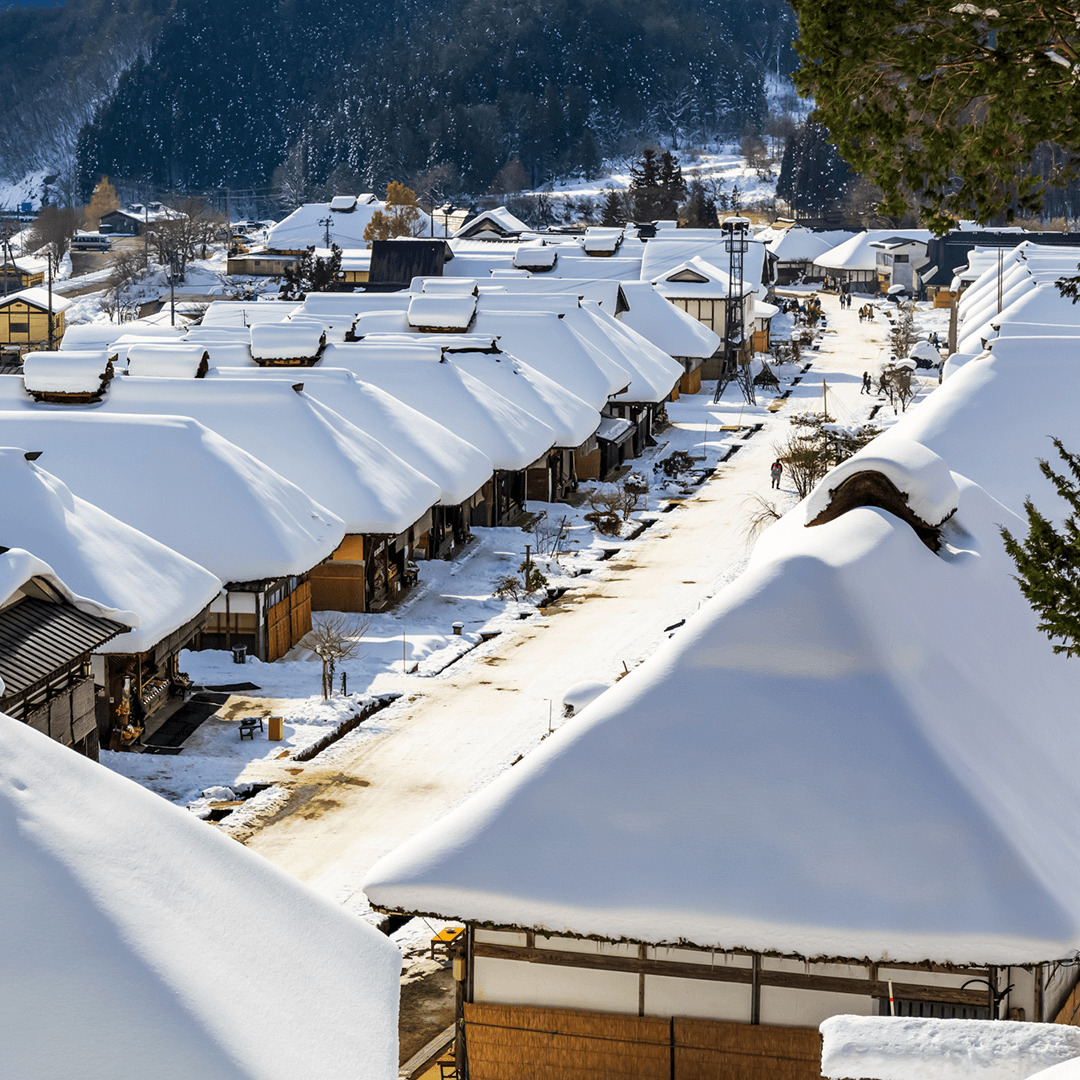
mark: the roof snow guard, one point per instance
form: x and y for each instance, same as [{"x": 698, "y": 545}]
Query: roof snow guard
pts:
[{"x": 73, "y": 377}]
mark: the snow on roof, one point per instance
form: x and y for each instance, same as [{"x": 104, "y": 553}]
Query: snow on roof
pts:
[
  {"x": 511, "y": 437},
  {"x": 612, "y": 429},
  {"x": 117, "y": 900},
  {"x": 38, "y": 298},
  {"x": 599, "y": 240},
  {"x": 837, "y": 674},
  {"x": 564, "y": 412},
  {"x": 312, "y": 224},
  {"x": 660, "y": 257},
  {"x": 101, "y": 335},
  {"x": 698, "y": 279},
  {"x": 170, "y": 360},
  {"x": 620, "y": 267},
  {"x": 499, "y": 221},
  {"x": 99, "y": 556},
  {"x": 248, "y": 313},
  {"x": 18, "y": 567},
  {"x": 910, "y": 1048},
  {"x": 606, "y": 293},
  {"x": 857, "y": 253},
  {"x": 83, "y": 372},
  {"x": 263, "y": 525},
  {"x": 666, "y": 326},
  {"x": 458, "y": 467},
  {"x": 535, "y": 255},
  {"x": 654, "y": 373},
  {"x": 444, "y": 286},
  {"x": 286, "y": 341},
  {"x": 346, "y": 470},
  {"x": 1041, "y": 303},
  {"x": 441, "y": 312},
  {"x": 801, "y": 245}
]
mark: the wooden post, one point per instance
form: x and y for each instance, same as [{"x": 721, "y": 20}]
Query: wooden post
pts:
[
  {"x": 643, "y": 953},
  {"x": 755, "y": 990},
  {"x": 1038, "y": 1017}
]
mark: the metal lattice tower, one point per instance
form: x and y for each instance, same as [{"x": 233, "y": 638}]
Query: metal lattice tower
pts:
[{"x": 734, "y": 325}]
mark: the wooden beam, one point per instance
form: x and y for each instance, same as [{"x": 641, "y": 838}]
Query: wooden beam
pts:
[
  {"x": 755, "y": 990},
  {"x": 791, "y": 980}
]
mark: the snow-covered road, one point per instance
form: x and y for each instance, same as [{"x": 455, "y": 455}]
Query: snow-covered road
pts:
[{"x": 413, "y": 762}]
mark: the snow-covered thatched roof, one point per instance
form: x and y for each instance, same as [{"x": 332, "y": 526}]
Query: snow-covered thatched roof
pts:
[
  {"x": 797, "y": 244},
  {"x": 286, "y": 341},
  {"x": 858, "y": 253},
  {"x": 456, "y": 466},
  {"x": 167, "y": 359},
  {"x": 39, "y": 298},
  {"x": 834, "y": 708},
  {"x": 698, "y": 279},
  {"x": 102, "y": 335},
  {"x": 99, "y": 556},
  {"x": 441, "y": 312},
  {"x": 535, "y": 255},
  {"x": 70, "y": 372},
  {"x": 510, "y": 437},
  {"x": 499, "y": 222},
  {"x": 601, "y": 241},
  {"x": 183, "y": 476},
  {"x": 666, "y": 326},
  {"x": 142, "y": 943}
]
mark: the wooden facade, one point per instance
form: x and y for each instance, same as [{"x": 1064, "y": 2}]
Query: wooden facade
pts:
[
  {"x": 24, "y": 323},
  {"x": 267, "y": 617},
  {"x": 537, "y": 1006}
]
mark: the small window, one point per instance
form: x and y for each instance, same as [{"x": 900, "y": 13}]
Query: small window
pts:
[{"x": 19, "y": 326}]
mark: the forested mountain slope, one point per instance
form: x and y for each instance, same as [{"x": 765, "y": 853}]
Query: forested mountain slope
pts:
[{"x": 368, "y": 92}]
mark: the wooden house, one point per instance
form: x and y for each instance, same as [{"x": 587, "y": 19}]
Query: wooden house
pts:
[
  {"x": 694, "y": 874},
  {"x": 100, "y": 556},
  {"x": 135, "y": 218},
  {"x": 704, "y": 291},
  {"x": 28, "y": 320},
  {"x": 267, "y": 537},
  {"x": 46, "y": 637},
  {"x": 22, "y": 272},
  {"x": 340, "y": 222},
  {"x": 853, "y": 264},
  {"x": 394, "y": 263},
  {"x": 70, "y": 377},
  {"x": 355, "y": 267},
  {"x": 259, "y": 263},
  {"x": 497, "y": 224}
]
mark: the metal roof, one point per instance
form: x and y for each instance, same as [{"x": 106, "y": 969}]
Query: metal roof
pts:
[{"x": 38, "y": 637}]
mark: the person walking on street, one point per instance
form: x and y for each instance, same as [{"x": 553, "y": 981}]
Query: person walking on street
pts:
[
  {"x": 776, "y": 470},
  {"x": 865, "y": 383}
]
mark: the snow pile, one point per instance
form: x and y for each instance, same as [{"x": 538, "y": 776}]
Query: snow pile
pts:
[
  {"x": 166, "y": 360},
  {"x": 167, "y": 949},
  {"x": 906, "y": 1048},
  {"x": 441, "y": 312},
  {"x": 83, "y": 372},
  {"x": 286, "y": 341}
]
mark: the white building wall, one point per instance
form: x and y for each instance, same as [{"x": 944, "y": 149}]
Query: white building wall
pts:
[
  {"x": 697, "y": 998},
  {"x": 510, "y": 982},
  {"x": 807, "y": 1008}
]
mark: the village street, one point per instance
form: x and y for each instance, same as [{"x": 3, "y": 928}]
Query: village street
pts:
[{"x": 408, "y": 765}]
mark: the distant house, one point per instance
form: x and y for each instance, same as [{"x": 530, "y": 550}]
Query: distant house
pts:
[
  {"x": 26, "y": 318},
  {"x": 394, "y": 263},
  {"x": 899, "y": 260},
  {"x": 853, "y": 265},
  {"x": 136, "y": 218},
  {"x": 47, "y": 634},
  {"x": 796, "y": 248},
  {"x": 497, "y": 224},
  {"x": 24, "y": 272}
]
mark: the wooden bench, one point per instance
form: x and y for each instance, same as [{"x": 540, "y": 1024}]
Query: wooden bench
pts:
[{"x": 248, "y": 726}]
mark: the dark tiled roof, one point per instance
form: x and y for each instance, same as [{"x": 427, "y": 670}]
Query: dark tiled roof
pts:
[{"x": 37, "y": 638}]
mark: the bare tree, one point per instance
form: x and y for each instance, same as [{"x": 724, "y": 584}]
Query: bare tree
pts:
[
  {"x": 52, "y": 230},
  {"x": 187, "y": 233},
  {"x": 335, "y": 639},
  {"x": 290, "y": 181}
]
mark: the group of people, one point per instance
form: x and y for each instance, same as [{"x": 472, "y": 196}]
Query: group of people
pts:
[
  {"x": 866, "y": 313},
  {"x": 845, "y": 299}
]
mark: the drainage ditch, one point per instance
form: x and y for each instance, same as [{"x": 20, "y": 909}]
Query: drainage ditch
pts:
[{"x": 343, "y": 729}]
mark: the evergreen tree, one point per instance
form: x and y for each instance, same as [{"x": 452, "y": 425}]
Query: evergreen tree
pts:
[
  {"x": 1048, "y": 561},
  {"x": 311, "y": 273},
  {"x": 645, "y": 186},
  {"x": 700, "y": 210},
  {"x": 671, "y": 184},
  {"x": 614, "y": 209}
]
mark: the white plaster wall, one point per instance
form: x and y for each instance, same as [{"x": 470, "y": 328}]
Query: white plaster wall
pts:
[
  {"x": 499, "y": 937},
  {"x": 807, "y": 1008},
  {"x": 666, "y": 996},
  {"x": 510, "y": 982},
  {"x": 586, "y": 946},
  {"x": 801, "y": 967}
]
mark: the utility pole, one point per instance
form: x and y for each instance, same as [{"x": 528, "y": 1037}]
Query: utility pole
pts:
[
  {"x": 49, "y": 256},
  {"x": 146, "y": 235},
  {"x": 325, "y": 223},
  {"x": 172, "y": 289}
]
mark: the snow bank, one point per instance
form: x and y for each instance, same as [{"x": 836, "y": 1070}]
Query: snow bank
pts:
[
  {"x": 167, "y": 949},
  {"x": 906, "y": 1048}
]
